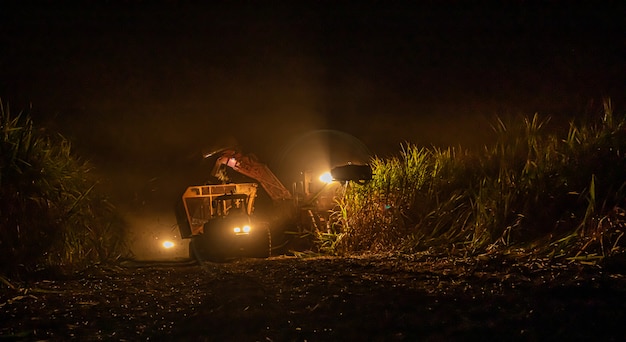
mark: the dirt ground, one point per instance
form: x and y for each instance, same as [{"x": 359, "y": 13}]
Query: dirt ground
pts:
[{"x": 373, "y": 298}]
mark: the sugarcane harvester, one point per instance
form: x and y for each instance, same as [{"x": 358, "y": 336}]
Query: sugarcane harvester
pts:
[{"x": 220, "y": 219}]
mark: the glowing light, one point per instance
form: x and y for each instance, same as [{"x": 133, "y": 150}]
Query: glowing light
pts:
[
  {"x": 242, "y": 230},
  {"x": 168, "y": 244},
  {"x": 326, "y": 177}
]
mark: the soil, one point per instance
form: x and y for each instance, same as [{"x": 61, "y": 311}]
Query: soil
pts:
[{"x": 374, "y": 298}]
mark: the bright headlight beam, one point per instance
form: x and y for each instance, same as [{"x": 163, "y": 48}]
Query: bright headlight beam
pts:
[
  {"x": 168, "y": 244},
  {"x": 326, "y": 177}
]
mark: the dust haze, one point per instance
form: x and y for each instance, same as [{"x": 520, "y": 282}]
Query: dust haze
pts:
[{"x": 143, "y": 90}]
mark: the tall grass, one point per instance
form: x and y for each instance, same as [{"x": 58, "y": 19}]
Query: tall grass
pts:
[
  {"x": 530, "y": 190},
  {"x": 51, "y": 213}
]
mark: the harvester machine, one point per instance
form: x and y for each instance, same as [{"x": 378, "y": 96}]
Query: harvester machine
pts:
[{"x": 220, "y": 219}]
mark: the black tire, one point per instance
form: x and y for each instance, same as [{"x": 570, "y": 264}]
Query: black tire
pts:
[
  {"x": 210, "y": 248},
  {"x": 263, "y": 248},
  {"x": 192, "y": 253},
  {"x": 197, "y": 250},
  {"x": 202, "y": 249}
]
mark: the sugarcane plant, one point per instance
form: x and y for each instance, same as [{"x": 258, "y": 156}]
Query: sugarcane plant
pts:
[
  {"x": 51, "y": 212},
  {"x": 530, "y": 191}
]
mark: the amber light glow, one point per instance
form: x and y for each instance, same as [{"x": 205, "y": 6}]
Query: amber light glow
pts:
[{"x": 326, "y": 178}]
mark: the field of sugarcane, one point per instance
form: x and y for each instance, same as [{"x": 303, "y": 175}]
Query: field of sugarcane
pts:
[
  {"x": 532, "y": 192},
  {"x": 52, "y": 213}
]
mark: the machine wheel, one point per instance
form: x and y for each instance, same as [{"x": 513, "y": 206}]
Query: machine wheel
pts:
[
  {"x": 263, "y": 248},
  {"x": 192, "y": 254},
  {"x": 200, "y": 249},
  {"x": 197, "y": 250}
]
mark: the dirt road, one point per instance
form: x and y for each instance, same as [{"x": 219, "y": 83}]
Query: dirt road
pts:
[{"x": 374, "y": 298}]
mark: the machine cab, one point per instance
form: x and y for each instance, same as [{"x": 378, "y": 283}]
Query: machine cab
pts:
[{"x": 231, "y": 205}]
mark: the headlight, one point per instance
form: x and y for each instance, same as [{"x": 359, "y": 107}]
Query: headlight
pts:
[
  {"x": 326, "y": 178},
  {"x": 242, "y": 230},
  {"x": 167, "y": 244}
]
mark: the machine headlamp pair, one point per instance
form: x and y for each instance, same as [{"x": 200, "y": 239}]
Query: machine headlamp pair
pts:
[{"x": 242, "y": 230}]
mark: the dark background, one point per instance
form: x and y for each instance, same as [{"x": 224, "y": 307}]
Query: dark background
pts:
[{"x": 143, "y": 88}]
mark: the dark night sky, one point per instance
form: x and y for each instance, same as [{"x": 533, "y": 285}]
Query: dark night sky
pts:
[{"x": 143, "y": 87}]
